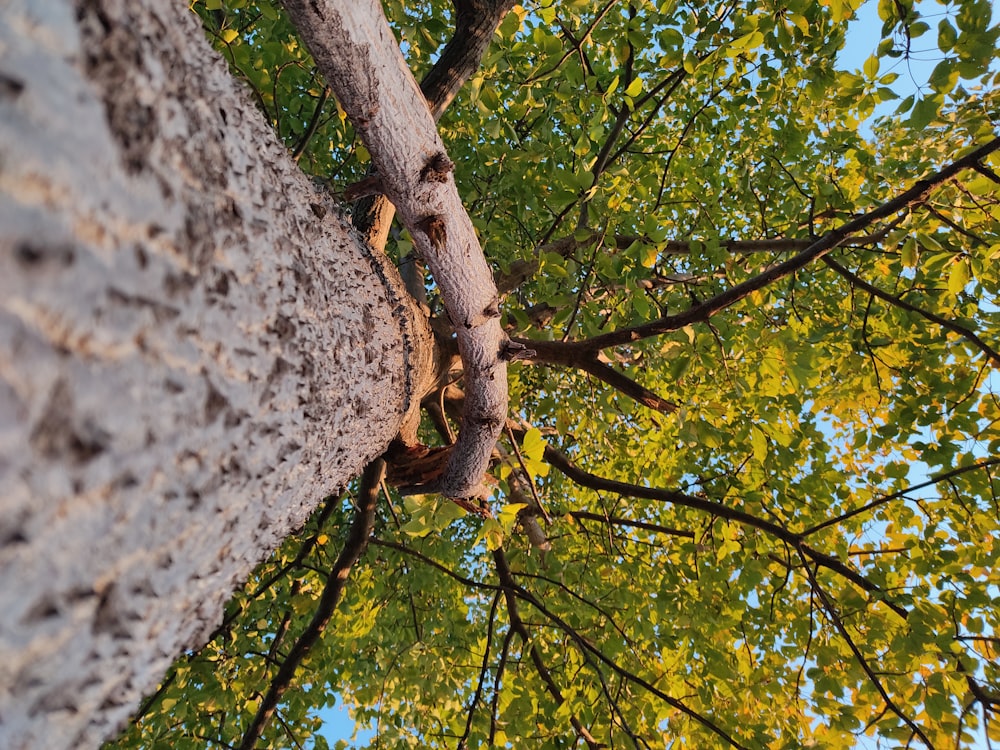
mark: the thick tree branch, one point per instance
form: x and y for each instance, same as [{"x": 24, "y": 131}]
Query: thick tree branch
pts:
[
  {"x": 475, "y": 23},
  {"x": 820, "y": 247},
  {"x": 356, "y": 51},
  {"x": 354, "y": 547}
]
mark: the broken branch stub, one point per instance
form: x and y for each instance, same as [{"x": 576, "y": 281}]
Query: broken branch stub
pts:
[{"x": 356, "y": 51}]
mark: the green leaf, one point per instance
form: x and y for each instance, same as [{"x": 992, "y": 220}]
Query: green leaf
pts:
[
  {"x": 759, "y": 443},
  {"x": 445, "y": 514},
  {"x": 958, "y": 276},
  {"x": 944, "y": 77},
  {"x": 947, "y": 35},
  {"x": 924, "y": 112},
  {"x": 533, "y": 445},
  {"x": 871, "y": 67},
  {"x": 492, "y": 534}
]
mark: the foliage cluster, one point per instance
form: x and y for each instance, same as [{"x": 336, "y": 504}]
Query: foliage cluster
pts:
[{"x": 802, "y": 547}]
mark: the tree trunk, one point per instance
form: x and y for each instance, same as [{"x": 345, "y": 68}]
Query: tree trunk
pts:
[{"x": 194, "y": 351}]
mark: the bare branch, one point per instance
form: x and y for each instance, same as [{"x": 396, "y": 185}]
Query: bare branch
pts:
[
  {"x": 987, "y": 173},
  {"x": 598, "y": 17},
  {"x": 522, "y": 270},
  {"x": 475, "y": 22},
  {"x": 434, "y": 564},
  {"x": 313, "y": 124},
  {"x": 583, "y": 515}
]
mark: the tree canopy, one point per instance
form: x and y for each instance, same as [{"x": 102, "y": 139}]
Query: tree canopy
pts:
[{"x": 748, "y": 493}]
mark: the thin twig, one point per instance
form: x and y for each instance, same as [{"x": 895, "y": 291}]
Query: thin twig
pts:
[
  {"x": 313, "y": 124},
  {"x": 584, "y": 645},
  {"x": 949, "y": 325},
  {"x": 985, "y": 463},
  {"x": 592, "y": 481},
  {"x": 482, "y": 674},
  {"x": 531, "y": 484},
  {"x": 703, "y": 311},
  {"x": 838, "y": 623},
  {"x": 510, "y": 588}
]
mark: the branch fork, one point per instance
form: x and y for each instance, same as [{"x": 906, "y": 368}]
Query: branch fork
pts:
[{"x": 356, "y": 51}]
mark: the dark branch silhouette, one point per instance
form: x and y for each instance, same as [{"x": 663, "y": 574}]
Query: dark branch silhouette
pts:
[
  {"x": 582, "y": 515},
  {"x": 474, "y": 703},
  {"x": 831, "y": 612},
  {"x": 942, "y": 477},
  {"x": 510, "y": 590},
  {"x": 703, "y": 311},
  {"x": 586, "y": 647},
  {"x": 716, "y": 509},
  {"x": 590, "y": 364},
  {"x": 354, "y": 547},
  {"x": 895, "y": 301}
]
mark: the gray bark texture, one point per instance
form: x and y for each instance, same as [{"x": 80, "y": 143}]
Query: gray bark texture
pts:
[
  {"x": 357, "y": 52},
  {"x": 194, "y": 351}
]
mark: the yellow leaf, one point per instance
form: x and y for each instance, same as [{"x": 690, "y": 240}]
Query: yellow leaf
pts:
[
  {"x": 958, "y": 277},
  {"x": 533, "y": 445}
]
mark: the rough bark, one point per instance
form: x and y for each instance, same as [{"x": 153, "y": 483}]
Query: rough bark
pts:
[
  {"x": 357, "y": 53},
  {"x": 194, "y": 350},
  {"x": 475, "y": 23}
]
